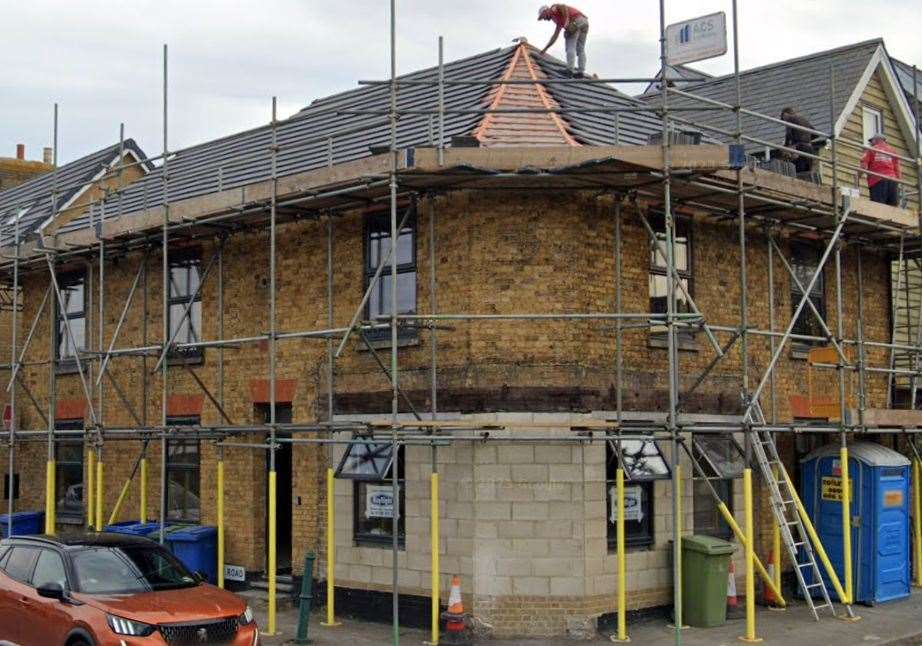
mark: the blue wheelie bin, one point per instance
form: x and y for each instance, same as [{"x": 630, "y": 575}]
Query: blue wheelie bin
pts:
[
  {"x": 24, "y": 523},
  {"x": 132, "y": 527},
  {"x": 195, "y": 545}
]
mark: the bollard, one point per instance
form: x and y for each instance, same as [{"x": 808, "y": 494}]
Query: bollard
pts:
[{"x": 307, "y": 596}]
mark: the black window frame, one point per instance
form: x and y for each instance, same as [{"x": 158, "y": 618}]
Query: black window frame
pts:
[
  {"x": 67, "y": 281},
  {"x": 364, "y": 538},
  {"x": 182, "y": 467},
  {"x": 379, "y": 225},
  {"x": 63, "y": 514},
  {"x": 657, "y": 269},
  {"x": 183, "y": 260},
  {"x": 805, "y": 258},
  {"x": 706, "y": 518},
  {"x": 637, "y": 534}
]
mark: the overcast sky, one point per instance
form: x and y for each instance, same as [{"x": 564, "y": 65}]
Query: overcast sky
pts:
[{"x": 101, "y": 61}]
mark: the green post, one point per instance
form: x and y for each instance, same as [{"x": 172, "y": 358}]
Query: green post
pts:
[{"x": 306, "y": 596}]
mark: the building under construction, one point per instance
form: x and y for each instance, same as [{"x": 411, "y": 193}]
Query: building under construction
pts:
[{"x": 476, "y": 308}]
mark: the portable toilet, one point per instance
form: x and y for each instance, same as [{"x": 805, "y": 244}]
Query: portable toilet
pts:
[{"x": 880, "y": 484}]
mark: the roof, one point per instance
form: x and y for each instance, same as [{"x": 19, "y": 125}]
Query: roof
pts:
[
  {"x": 677, "y": 76},
  {"x": 869, "y": 453},
  {"x": 904, "y": 76},
  {"x": 346, "y": 126},
  {"x": 81, "y": 539},
  {"x": 802, "y": 83},
  {"x": 35, "y": 199}
]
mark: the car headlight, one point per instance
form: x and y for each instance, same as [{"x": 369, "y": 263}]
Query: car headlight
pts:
[
  {"x": 246, "y": 617},
  {"x": 122, "y": 626}
]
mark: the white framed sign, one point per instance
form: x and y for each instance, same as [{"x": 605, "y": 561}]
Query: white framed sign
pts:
[
  {"x": 633, "y": 504},
  {"x": 379, "y": 501},
  {"x": 696, "y": 39},
  {"x": 235, "y": 573}
]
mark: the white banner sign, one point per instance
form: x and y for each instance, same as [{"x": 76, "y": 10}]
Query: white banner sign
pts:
[
  {"x": 235, "y": 573},
  {"x": 696, "y": 39},
  {"x": 379, "y": 501},
  {"x": 633, "y": 504}
]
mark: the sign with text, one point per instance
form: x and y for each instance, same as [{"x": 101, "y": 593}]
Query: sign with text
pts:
[
  {"x": 831, "y": 489},
  {"x": 235, "y": 573},
  {"x": 379, "y": 501},
  {"x": 633, "y": 504},
  {"x": 696, "y": 39}
]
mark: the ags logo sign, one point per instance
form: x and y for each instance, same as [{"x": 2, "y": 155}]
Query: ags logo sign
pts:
[{"x": 696, "y": 39}]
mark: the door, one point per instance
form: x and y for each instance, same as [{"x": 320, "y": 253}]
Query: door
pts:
[
  {"x": 16, "y": 609},
  {"x": 284, "y": 486},
  {"x": 52, "y": 619}
]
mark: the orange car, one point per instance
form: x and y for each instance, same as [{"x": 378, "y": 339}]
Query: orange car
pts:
[{"x": 111, "y": 589}]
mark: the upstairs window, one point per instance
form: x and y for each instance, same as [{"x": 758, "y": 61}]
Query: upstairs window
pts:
[
  {"x": 804, "y": 261},
  {"x": 185, "y": 276},
  {"x": 872, "y": 122},
  {"x": 658, "y": 268},
  {"x": 72, "y": 314},
  {"x": 377, "y": 245}
]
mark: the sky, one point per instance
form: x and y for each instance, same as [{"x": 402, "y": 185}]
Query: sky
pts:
[{"x": 101, "y": 61}]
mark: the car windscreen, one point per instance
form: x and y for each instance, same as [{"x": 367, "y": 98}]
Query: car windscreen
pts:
[{"x": 129, "y": 569}]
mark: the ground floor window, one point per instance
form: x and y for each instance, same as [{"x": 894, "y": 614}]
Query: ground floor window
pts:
[
  {"x": 68, "y": 474},
  {"x": 183, "y": 471},
  {"x": 643, "y": 463},
  {"x": 722, "y": 461},
  {"x": 370, "y": 466}
]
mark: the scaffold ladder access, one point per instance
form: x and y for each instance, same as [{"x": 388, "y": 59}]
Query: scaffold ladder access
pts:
[{"x": 786, "y": 508}]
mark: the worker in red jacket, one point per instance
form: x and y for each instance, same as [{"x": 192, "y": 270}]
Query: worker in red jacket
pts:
[
  {"x": 575, "y": 27},
  {"x": 881, "y": 159}
]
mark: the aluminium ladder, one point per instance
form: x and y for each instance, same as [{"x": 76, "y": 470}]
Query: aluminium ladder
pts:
[{"x": 793, "y": 533}]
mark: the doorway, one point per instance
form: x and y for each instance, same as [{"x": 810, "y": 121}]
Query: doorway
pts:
[{"x": 284, "y": 486}]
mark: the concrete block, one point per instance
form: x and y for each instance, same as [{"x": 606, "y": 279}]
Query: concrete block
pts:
[
  {"x": 530, "y": 511},
  {"x": 532, "y": 473},
  {"x": 566, "y": 586},
  {"x": 494, "y": 510},
  {"x": 515, "y": 454},
  {"x": 531, "y": 586},
  {"x": 566, "y": 473}
]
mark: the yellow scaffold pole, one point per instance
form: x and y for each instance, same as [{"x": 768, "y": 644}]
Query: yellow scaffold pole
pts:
[
  {"x": 272, "y": 554},
  {"x": 89, "y": 491},
  {"x": 99, "y": 493},
  {"x": 331, "y": 555},
  {"x": 760, "y": 568},
  {"x": 622, "y": 635},
  {"x": 220, "y": 510},
  {"x": 434, "y": 532},
  {"x": 750, "y": 635},
  {"x": 49, "y": 500},
  {"x": 917, "y": 518},
  {"x": 143, "y": 505},
  {"x": 846, "y": 523}
]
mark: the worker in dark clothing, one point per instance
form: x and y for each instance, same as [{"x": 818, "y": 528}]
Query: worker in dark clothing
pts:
[{"x": 799, "y": 139}]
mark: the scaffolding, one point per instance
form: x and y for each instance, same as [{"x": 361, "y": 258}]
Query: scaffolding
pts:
[{"x": 754, "y": 201}]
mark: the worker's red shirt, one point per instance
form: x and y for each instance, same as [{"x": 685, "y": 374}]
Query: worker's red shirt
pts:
[
  {"x": 556, "y": 14},
  {"x": 880, "y": 159}
]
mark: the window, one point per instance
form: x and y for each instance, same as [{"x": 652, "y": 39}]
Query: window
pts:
[
  {"x": 683, "y": 262},
  {"x": 377, "y": 245},
  {"x": 49, "y": 569},
  {"x": 19, "y": 563},
  {"x": 872, "y": 122},
  {"x": 804, "y": 261},
  {"x": 73, "y": 313},
  {"x": 722, "y": 460},
  {"x": 68, "y": 480},
  {"x": 184, "y": 281},
  {"x": 643, "y": 463},
  {"x": 183, "y": 467},
  {"x": 370, "y": 466}
]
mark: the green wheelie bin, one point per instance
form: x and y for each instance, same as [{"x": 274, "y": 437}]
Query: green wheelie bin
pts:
[{"x": 705, "y": 561}]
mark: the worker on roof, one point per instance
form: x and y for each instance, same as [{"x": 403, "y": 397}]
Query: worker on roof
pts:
[
  {"x": 800, "y": 140},
  {"x": 881, "y": 158},
  {"x": 575, "y": 27}
]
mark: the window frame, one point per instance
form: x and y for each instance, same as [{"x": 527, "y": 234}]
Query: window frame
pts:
[
  {"x": 799, "y": 251},
  {"x": 184, "y": 259},
  {"x": 642, "y": 536},
  {"x": 172, "y": 466},
  {"x": 380, "y": 222},
  {"x": 656, "y": 268},
  {"x": 67, "y": 583},
  {"x": 722, "y": 484},
  {"x": 67, "y": 280},
  {"x": 366, "y": 539},
  {"x": 70, "y": 517},
  {"x": 877, "y": 114},
  {"x": 8, "y": 555}
]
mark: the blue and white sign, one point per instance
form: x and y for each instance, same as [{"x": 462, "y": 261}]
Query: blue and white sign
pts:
[
  {"x": 696, "y": 39},
  {"x": 379, "y": 501},
  {"x": 633, "y": 504}
]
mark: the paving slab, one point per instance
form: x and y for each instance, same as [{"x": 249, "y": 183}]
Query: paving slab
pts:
[{"x": 892, "y": 624}]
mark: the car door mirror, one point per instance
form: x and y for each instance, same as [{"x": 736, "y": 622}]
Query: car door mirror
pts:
[
  {"x": 199, "y": 576},
  {"x": 51, "y": 591}
]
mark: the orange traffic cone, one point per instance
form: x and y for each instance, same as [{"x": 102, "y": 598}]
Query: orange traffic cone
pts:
[
  {"x": 456, "y": 631},
  {"x": 731, "y": 587},
  {"x": 768, "y": 595}
]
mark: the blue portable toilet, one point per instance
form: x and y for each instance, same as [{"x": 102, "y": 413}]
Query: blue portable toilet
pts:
[{"x": 880, "y": 484}]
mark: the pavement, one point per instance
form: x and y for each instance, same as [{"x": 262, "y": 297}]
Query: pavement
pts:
[{"x": 892, "y": 624}]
